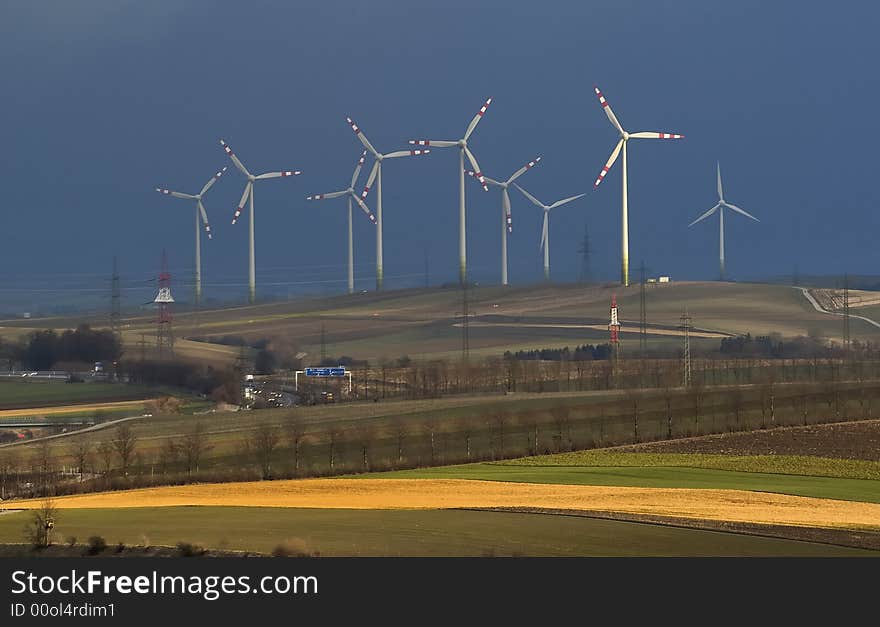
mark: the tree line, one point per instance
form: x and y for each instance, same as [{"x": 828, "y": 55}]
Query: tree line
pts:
[{"x": 42, "y": 350}]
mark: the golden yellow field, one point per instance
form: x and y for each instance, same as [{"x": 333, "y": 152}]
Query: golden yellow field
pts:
[{"x": 721, "y": 505}]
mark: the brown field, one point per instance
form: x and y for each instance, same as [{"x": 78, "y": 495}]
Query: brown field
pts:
[
  {"x": 848, "y": 440},
  {"x": 727, "y": 505}
]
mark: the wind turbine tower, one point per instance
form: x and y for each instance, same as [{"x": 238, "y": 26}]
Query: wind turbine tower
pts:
[
  {"x": 722, "y": 204},
  {"x": 506, "y": 218},
  {"x": 249, "y": 194},
  {"x": 621, "y": 146},
  {"x": 352, "y": 195},
  {"x": 545, "y": 229},
  {"x": 376, "y": 175},
  {"x": 462, "y": 145},
  {"x": 200, "y": 212}
]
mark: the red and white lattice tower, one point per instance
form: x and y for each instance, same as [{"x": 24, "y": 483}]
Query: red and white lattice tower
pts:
[
  {"x": 614, "y": 325},
  {"x": 164, "y": 300}
]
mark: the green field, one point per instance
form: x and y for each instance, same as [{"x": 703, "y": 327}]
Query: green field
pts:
[
  {"x": 774, "y": 464},
  {"x": 21, "y": 394},
  {"x": 409, "y": 533},
  {"x": 657, "y": 476}
]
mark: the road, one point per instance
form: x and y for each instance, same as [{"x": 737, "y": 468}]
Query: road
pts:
[
  {"x": 103, "y": 425},
  {"x": 821, "y": 309}
]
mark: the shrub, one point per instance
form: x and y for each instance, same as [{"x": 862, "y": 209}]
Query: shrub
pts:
[
  {"x": 97, "y": 544},
  {"x": 187, "y": 549},
  {"x": 71, "y": 541},
  {"x": 291, "y": 548}
]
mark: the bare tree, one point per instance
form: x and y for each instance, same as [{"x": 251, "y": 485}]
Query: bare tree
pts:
[
  {"x": 736, "y": 406},
  {"x": 667, "y": 397},
  {"x": 365, "y": 435},
  {"x": 105, "y": 452},
  {"x": 124, "y": 444},
  {"x": 333, "y": 436},
  {"x": 8, "y": 465},
  {"x": 44, "y": 468},
  {"x": 81, "y": 452},
  {"x": 400, "y": 433},
  {"x": 294, "y": 431},
  {"x": 263, "y": 442},
  {"x": 39, "y": 530},
  {"x": 169, "y": 454},
  {"x": 561, "y": 420},
  {"x": 193, "y": 447}
]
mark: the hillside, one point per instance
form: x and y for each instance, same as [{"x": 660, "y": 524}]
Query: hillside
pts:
[{"x": 425, "y": 323}]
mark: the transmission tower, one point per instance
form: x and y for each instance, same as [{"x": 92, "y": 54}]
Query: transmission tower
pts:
[
  {"x": 164, "y": 299},
  {"x": 686, "y": 327},
  {"x": 614, "y": 330},
  {"x": 115, "y": 301},
  {"x": 584, "y": 251},
  {"x": 846, "y": 336},
  {"x": 643, "y": 314}
]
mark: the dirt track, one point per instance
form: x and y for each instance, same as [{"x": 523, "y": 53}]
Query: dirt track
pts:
[{"x": 728, "y": 505}]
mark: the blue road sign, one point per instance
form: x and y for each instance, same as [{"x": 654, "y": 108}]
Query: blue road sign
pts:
[{"x": 338, "y": 371}]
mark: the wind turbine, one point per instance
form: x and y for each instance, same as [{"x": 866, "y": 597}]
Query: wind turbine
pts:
[
  {"x": 352, "y": 195},
  {"x": 621, "y": 145},
  {"x": 720, "y": 209},
  {"x": 249, "y": 193},
  {"x": 462, "y": 145},
  {"x": 506, "y": 219},
  {"x": 545, "y": 229},
  {"x": 200, "y": 210},
  {"x": 376, "y": 175}
]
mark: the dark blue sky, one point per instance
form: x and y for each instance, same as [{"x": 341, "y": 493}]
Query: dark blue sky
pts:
[{"x": 104, "y": 100}]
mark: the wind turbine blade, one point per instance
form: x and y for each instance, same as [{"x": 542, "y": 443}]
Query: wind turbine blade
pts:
[
  {"x": 742, "y": 211},
  {"x": 534, "y": 200},
  {"x": 505, "y": 200},
  {"x": 431, "y": 142},
  {"x": 362, "y": 137},
  {"x": 653, "y": 135},
  {"x": 275, "y": 175},
  {"x": 705, "y": 215},
  {"x": 608, "y": 164},
  {"x": 235, "y": 159},
  {"x": 608, "y": 110},
  {"x": 370, "y": 179},
  {"x": 364, "y": 207},
  {"x": 205, "y": 218},
  {"x": 168, "y": 192},
  {"x": 476, "y": 166},
  {"x": 544, "y": 229},
  {"x": 357, "y": 168},
  {"x": 213, "y": 180},
  {"x": 559, "y": 203},
  {"x": 476, "y": 120},
  {"x": 327, "y": 196},
  {"x": 244, "y": 196},
  {"x": 720, "y": 191},
  {"x": 522, "y": 170},
  {"x": 486, "y": 178},
  {"x": 406, "y": 153}
]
